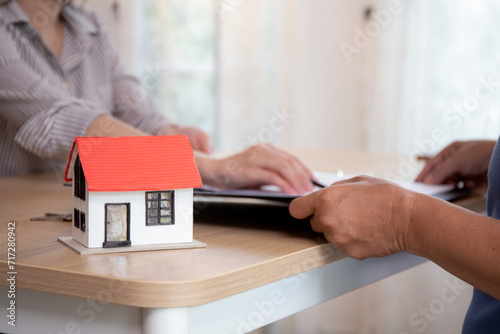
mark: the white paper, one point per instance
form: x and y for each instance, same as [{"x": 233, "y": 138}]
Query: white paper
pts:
[{"x": 326, "y": 179}]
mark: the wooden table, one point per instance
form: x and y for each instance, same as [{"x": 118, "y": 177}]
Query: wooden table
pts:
[{"x": 260, "y": 265}]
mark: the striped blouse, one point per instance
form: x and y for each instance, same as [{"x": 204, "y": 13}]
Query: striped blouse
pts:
[{"x": 45, "y": 102}]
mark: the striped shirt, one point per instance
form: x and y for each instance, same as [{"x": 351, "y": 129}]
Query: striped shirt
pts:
[{"x": 45, "y": 102}]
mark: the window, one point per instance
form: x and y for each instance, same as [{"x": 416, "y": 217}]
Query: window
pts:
[
  {"x": 79, "y": 219},
  {"x": 76, "y": 218},
  {"x": 177, "y": 62},
  {"x": 439, "y": 56},
  {"x": 79, "y": 180},
  {"x": 160, "y": 208},
  {"x": 83, "y": 223}
]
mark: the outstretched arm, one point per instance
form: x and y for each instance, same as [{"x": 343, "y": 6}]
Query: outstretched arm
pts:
[
  {"x": 256, "y": 166},
  {"x": 367, "y": 217}
]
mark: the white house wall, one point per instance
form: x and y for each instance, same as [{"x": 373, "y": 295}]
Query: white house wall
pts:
[{"x": 140, "y": 234}]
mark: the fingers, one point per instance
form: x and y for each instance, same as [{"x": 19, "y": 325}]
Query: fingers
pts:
[
  {"x": 316, "y": 226},
  {"x": 262, "y": 165},
  {"x": 459, "y": 161},
  {"x": 288, "y": 167},
  {"x": 297, "y": 162},
  {"x": 203, "y": 143},
  {"x": 429, "y": 169},
  {"x": 307, "y": 206},
  {"x": 200, "y": 140},
  {"x": 268, "y": 177},
  {"x": 318, "y": 207},
  {"x": 429, "y": 166},
  {"x": 354, "y": 179},
  {"x": 303, "y": 207},
  {"x": 443, "y": 171}
]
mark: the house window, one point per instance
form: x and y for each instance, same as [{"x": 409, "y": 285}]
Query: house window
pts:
[
  {"x": 79, "y": 179},
  {"x": 79, "y": 219},
  {"x": 160, "y": 208},
  {"x": 83, "y": 223},
  {"x": 76, "y": 218}
]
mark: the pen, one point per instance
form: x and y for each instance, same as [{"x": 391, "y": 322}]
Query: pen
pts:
[
  {"x": 317, "y": 184},
  {"x": 424, "y": 157}
]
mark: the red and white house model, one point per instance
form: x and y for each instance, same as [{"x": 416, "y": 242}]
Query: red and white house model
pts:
[{"x": 133, "y": 191}]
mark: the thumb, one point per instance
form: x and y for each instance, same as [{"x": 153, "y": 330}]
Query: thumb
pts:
[{"x": 303, "y": 207}]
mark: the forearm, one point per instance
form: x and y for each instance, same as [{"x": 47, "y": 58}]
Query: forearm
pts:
[
  {"x": 105, "y": 125},
  {"x": 206, "y": 167},
  {"x": 108, "y": 126},
  {"x": 464, "y": 243}
]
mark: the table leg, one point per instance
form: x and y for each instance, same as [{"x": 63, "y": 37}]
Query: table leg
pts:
[
  {"x": 165, "y": 320},
  {"x": 272, "y": 328}
]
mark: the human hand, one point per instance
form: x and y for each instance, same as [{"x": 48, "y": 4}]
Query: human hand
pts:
[
  {"x": 199, "y": 139},
  {"x": 465, "y": 161},
  {"x": 363, "y": 216},
  {"x": 258, "y": 165}
]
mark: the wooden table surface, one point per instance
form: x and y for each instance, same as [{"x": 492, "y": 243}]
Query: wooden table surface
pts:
[{"x": 247, "y": 247}]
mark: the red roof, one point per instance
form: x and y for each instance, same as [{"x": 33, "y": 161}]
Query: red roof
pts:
[{"x": 137, "y": 163}]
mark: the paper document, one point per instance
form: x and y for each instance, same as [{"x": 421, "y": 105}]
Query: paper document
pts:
[
  {"x": 329, "y": 178},
  {"x": 273, "y": 193}
]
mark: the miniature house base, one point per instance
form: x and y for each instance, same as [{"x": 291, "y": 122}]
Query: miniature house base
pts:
[{"x": 82, "y": 250}]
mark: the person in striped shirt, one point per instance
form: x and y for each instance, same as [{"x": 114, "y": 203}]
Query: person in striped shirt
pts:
[{"x": 60, "y": 78}]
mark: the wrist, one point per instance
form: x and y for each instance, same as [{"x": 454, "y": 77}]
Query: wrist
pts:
[
  {"x": 407, "y": 220},
  {"x": 108, "y": 126},
  {"x": 206, "y": 167},
  {"x": 420, "y": 221},
  {"x": 169, "y": 129}
]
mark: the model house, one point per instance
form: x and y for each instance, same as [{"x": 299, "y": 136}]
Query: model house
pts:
[{"x": 131, "y": 191}]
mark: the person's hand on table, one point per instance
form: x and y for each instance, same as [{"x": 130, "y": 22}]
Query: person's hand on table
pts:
[
  {"x": 363, "y": 216},
  {"x": 258, "y": 165},
  {"x": 199, "y": 139},
  {"x": 465, "y": 161}
]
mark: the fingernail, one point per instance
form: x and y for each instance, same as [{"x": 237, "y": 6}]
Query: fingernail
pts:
[{"x": 428, "y": 179}]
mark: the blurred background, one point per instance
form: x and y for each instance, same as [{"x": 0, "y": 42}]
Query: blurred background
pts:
[
  {"x": 399, "y": 77},
  {"x": 349, "y": 75}
]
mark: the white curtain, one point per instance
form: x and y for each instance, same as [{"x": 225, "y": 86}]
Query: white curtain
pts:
[
  {"x": 282, "y": 58},
  {"x": 175, "y": 52},
  {"x": 170, "y": 46},
  {"x": 438, "y": 80}
]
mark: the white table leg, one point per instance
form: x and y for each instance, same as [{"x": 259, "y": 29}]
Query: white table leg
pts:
[
  {"x": 165, "y": 320},
  {"x": 272, "y": 328}
]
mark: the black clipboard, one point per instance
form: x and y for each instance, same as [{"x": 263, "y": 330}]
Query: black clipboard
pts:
[{"x": 262, "y": 197}]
